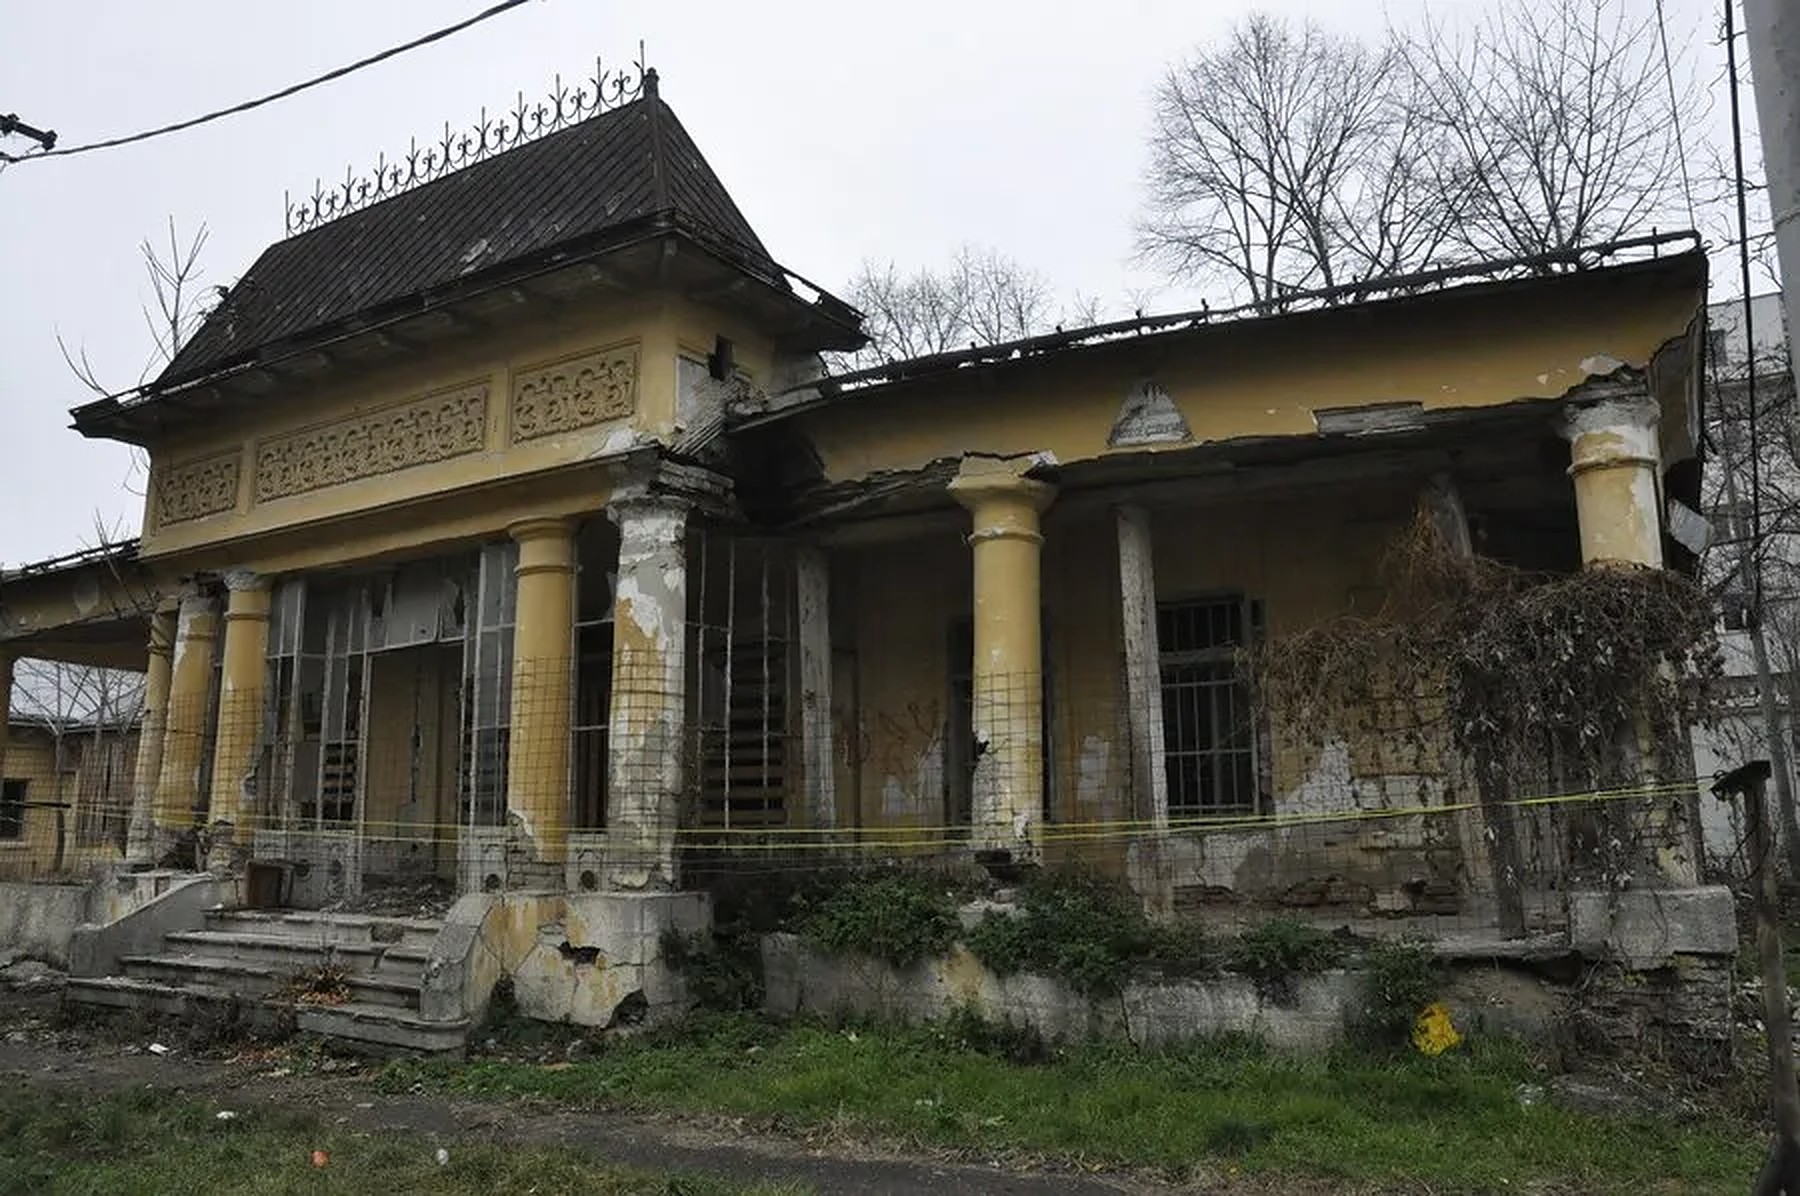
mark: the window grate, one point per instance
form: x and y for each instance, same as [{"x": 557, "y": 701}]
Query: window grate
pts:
[{"x": 1209, "y": 733}]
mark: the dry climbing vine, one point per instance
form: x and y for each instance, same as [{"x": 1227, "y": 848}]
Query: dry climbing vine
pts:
[{"x": 1539, "y": 681}]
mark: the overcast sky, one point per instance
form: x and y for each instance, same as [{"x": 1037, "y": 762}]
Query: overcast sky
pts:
[{"x": 844, "y": 131}]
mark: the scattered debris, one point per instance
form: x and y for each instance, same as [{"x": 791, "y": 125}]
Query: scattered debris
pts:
[
  {"x": 224, "y": 1115},
  {"x": 320, "y": 1158},
  {"x": 443, "y": 1157},
  {"x": 326, "y": 984},
  {"x": 28, "y": 974},
  {"x": 157, "y": 1048}
]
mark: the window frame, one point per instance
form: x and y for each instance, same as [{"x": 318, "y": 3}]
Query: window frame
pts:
[{"x": 1250, "y": 615}]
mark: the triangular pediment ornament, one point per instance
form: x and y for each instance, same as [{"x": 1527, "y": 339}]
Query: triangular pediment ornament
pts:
[{"x": 1148, "y": 416}]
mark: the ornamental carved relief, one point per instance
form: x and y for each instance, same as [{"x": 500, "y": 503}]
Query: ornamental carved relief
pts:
[
  {"x": 440, "y": 426},
  {"x": 594, "y": 388},
  {"x": 196, "y": 489}
]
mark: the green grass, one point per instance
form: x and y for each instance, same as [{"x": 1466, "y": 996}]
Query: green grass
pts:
[
  {"x": 1452, "y": 1123},
  {"x": 153, "y": 1143}
]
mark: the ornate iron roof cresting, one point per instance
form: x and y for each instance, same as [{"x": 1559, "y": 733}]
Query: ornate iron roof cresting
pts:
[{"x": 565, "y": 105}]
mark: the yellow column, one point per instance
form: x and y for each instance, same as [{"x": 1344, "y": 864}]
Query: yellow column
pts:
[
  {"x": 148, "y": 764},
  {"x": 243, "y": 677},
  {"x": 537, "y": 774},
  {"x": 184, "y": 724},
  {"x": 1616, "y": 463},
  {"x": 1008, "y": 671}
]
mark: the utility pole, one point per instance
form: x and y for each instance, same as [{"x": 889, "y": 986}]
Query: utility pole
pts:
[{"x": 1772, "y": 29}]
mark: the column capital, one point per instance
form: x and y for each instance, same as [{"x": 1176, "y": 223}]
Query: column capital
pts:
[
  {"x": 982, "y": 480},
  {"x": 654, "y": 518},
  {"x": 546, "y": 545},
  {"x": 239, "y": 581},
  {"x": 541, "y": 527},
  {"x": 1611, "y": 434},
  {"x": 1613, "y": 406}
]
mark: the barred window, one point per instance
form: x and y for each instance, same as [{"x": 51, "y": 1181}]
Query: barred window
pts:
[{"x": 1209, "y": 737}]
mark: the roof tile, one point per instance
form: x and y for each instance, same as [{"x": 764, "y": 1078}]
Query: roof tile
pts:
[{"x": 609, "y": 172}]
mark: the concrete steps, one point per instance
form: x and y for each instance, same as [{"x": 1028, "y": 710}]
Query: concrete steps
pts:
[{"x": 258, "y": 960}]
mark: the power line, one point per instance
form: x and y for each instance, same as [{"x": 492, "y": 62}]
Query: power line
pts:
[
  {"x": 1687, "y": 186},
  {"x": 247, "y": 105},
  {"x": 1743, "y": 231}
]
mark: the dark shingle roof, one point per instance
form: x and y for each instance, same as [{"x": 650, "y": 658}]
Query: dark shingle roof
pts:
[{"x": 612, "y": 176}]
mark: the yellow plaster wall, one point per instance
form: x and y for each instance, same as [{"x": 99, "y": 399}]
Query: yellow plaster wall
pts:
[
  {"x": 95, "y": 614},
  {"x": 31, "y": 757},
  {"x": 1261, "y": 380},
  {"x": 909, "y": 592},
  {"x": 644, "y": 325},
  {"x": 1304, "y": 559}
]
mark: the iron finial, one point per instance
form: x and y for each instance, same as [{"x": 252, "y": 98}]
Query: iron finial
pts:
[{"x": 491, "y": 134}]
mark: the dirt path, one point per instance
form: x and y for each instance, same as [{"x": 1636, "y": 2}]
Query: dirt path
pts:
[{"x": 717, "y": 1148}]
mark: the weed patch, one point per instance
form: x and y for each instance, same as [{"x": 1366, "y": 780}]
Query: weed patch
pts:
[
  {"x": 1087, "y": 931},
  {"x": 901, "y": 917},
  {"x": 1281, "y": 950},
  {"x": 1400, "y": 978}
]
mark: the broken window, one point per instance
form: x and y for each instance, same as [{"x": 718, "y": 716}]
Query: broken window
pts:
[
  {"x": 487, "y": 686},
  {"x": 743, "y": 634},
  {"x": 12, "y": 810},
  {"x": 596, "y": 578},
  {"x": 1209, "y": 736}
]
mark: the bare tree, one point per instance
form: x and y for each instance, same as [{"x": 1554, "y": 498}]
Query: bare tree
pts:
[
  {"x": 1561, "y": 118},
  {"x": 175, "y": 311},
  {"x": 983, "y": 298},
  {"x": 1287, "y": 159}
]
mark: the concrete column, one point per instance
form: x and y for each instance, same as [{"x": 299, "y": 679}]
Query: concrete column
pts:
[
  {"x": 184, "y": 724},
  {"x": 543, "y": 681},
  {"x": 139, "y": 841},
  {"x": 6, "y": 684},
  {"x": 1616, "y": 462},
  {"x": 812, "y": 585},
  {"x": 1008, "y": 669},
  {"x": 243, "y": 682},
  {"x": 647, "y": 734},
  {"x": 1143, "y": 668}
]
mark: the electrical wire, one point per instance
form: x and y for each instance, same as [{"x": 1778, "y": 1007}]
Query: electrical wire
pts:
[
  {"x": 1687, "y": 184},
  {"x": 295, "y": 89},
  {"x": 1743, "y": 219}
]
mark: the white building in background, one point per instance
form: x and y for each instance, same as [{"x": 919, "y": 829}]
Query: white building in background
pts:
[{"x": 1734, "y": 361}]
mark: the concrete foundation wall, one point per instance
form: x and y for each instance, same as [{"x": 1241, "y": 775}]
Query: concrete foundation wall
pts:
[
  {"x": 39, "y": 920},
  {"x": 1310, "y": 1016},
  {"x": 1641, "y": 973},
  {"x": 577, "y": 957}
]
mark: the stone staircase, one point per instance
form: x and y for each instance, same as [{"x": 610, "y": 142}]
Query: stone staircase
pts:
[{"x": 258, "y": 959}]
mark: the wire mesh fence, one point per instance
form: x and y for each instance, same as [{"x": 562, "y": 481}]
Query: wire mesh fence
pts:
[{"x": 1196, "y": 799}]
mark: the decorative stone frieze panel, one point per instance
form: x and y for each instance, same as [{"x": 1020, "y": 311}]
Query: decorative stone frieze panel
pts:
[
  {"x": 577, "y": 392},
  {"x": 449, "y": 423},
  {"x": 195, "y": 489}
]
